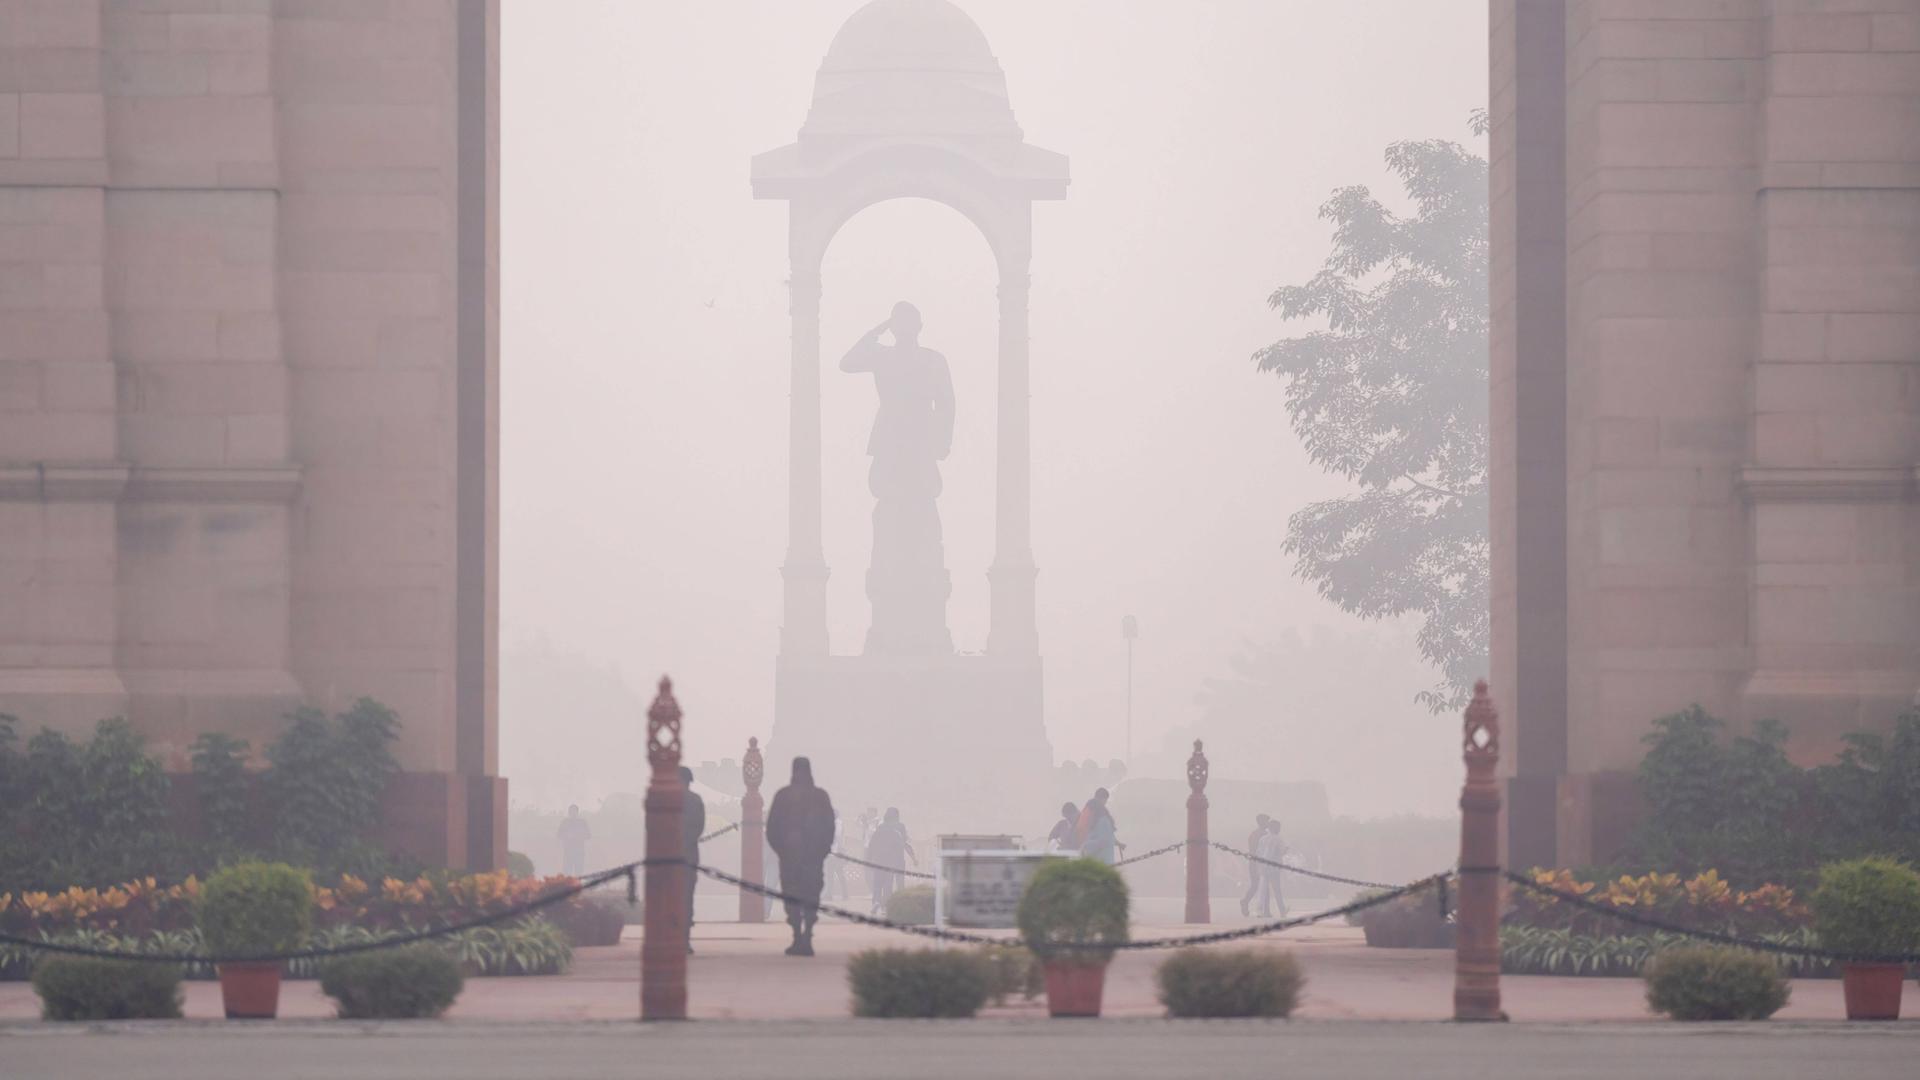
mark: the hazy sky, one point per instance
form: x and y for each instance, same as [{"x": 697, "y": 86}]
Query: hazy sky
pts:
[{"x": 645, "y": 345}]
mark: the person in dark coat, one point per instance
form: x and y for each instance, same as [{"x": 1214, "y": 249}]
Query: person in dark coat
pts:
[
  {"x": 800, "y": 829},
  {"x": 693, "y": 825}
]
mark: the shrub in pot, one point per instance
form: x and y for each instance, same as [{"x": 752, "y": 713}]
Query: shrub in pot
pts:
[
  {"x": 911, "y": 906},
  {"x": 254, "y": 909},
  {"x": 919, "y": 983},
  {"x": 1714, "y": 982},
  {"x": 411, "y": 982},
  {"x": 1072, "y": 914},
  {"x": 1410, "y": 922},
  {"x": 1869, "y": 907},
  {"x": 1232, "y": 982},
  {"x": 96, "y": 988},
  {"x": 589, "y": 923}
]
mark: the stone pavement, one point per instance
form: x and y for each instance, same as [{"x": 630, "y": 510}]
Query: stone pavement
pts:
[
  {"x": 938, "y": 1050},
  {"x": 738, "y": 973}
]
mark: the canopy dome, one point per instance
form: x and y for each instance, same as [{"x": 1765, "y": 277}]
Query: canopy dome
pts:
[
  {"x": 912, "y": 34},
  {"x": 910, "y": 66}
]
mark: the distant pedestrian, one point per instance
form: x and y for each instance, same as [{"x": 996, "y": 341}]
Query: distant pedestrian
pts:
[
  {"x": 1102, "y": 836},
  {"x": 693, "y": 825},
  {"x": 1061, "y": 838},
  {"x": 1274, "y": 854},
  {"x": 1253, "y": 868},
  {"x": 800, "y": 829},
  {"x": 574, "y": 835},
  {"x": 890, "y": 847}
]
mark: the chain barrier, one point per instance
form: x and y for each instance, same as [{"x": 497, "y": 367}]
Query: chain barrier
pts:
[
  {"x": 1302, "y": 870},
  {"x": 1175, "y": 846},
  {"x": 717, "y": 833},
  {"x": 969, "y": 938},
  {"x": 555, "y": 897},
  {"x": 1716, "y": 936},
  {"x": 876, "y": 866}
]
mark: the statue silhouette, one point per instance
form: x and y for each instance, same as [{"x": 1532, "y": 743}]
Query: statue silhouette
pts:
[{"x": 907, "y": 582}]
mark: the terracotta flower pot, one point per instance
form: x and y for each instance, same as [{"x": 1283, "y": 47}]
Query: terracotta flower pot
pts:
[
  {"x": 1074, "y": 988},
  {"x": 1872, "y": 990},
  {"x": 250, "y": 991}
]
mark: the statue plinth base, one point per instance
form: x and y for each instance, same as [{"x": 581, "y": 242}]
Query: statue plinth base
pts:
[{"x": 953, "y": 741}]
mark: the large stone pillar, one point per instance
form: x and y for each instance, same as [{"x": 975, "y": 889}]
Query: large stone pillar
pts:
[
  {"x": 803, "y": 628},
  {"x": 1011, "y": 629}
]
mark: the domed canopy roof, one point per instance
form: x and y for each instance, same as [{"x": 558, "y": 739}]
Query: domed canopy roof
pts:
[{"x": 910, "y": 34}]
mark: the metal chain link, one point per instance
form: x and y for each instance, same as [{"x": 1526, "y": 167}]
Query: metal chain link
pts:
[
  {"x": 719, "y": 832},
  {"x": 969, "y": 938},
  {"x": 1175, "y": 846},
  {"x": 876, "y": 866},
  {"x": 1302, "y": 870}
]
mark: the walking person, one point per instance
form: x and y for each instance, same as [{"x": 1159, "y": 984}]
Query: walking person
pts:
[
  {"x": 1102, "y": 836},
  {"x": 890, "y": 848},
  {"x": 1061, "y": 838},
  {"x": 1274, "y": 853},
  {"x": 1254, "y": 868},
  {"x": 574, "y": 835},
  {"x": 800, "y": 829},
  {"x": 693, "y": 825}
]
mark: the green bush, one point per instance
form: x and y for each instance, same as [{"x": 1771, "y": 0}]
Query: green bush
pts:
[
  {"x": 1714, "y": 982},
  {"x": 412, "y": 982},
  {"x": 253, "y": 908},
  {"x": 327, "y": 776},
  {"x": 911, "y": 906},
  {"x": 1081, "y": 903},
  {"x": 221, "y": 784},
  {"x": 1236, "y": 982},
  {"x": 528, "y": 946},
  {"x": 1015, "y": 971},
  {"x": 95, "y": 988},
  {"x": 519, "y": 865},
  {"x": 1868, "y": 907},
  {"x": 588, "y": 923},
  {"x": 922, "y": 983}
]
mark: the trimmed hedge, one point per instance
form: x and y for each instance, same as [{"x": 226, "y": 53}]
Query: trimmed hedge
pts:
[
  {"x": 1080, "y": 902},
  {"x": 1868, "y": 906},
  {"x": 919, "y": 983},
  {"x": 1714, "y": 982},
  {"x": 1229, "y": 983},
  {"x": 95, "y": 988},
  {"x": 411, "y": 982},
  {"x": 912, "y": 906},
  {"x": 256, "y": 908},
  {"x": 1015, "y": 971}
]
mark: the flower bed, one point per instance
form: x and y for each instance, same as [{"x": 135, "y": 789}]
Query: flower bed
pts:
[
  {"x": 143, "y": 916},
  {"x": 1534, "y": 950},
  {"x": 1704, "y": 901}
]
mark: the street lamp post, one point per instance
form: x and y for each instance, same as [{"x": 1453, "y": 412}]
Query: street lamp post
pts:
[{"x": 1129, "y": 629}]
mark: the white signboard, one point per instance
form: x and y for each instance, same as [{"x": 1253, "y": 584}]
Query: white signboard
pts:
[{"x": 982, "y": 889}]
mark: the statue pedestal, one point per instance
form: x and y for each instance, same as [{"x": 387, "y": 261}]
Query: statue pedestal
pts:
[{"x": 951, "y": 740}]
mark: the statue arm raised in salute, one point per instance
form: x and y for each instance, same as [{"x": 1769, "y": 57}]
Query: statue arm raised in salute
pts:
[{"x": 867, "y": 353}]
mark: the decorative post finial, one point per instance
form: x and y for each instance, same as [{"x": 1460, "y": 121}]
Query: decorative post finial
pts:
[{"x": 663, "y": 730}]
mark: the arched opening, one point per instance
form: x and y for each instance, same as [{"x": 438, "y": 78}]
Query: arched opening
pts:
[{"x": 929, "y": 254}]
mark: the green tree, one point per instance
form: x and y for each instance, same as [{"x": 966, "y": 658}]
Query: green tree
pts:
[{"x": 1392, "y": 395}]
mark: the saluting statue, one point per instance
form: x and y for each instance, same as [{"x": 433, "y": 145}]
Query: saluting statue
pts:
[{"x": 907, "y": 582}]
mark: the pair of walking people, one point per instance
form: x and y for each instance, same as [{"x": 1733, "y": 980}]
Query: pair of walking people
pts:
[{"x": 1263, "y": 869}]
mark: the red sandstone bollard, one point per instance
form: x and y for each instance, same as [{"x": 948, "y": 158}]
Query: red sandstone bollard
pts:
[
  {"x": 1199, "y": 908},
  {"x": 663, "y": 949},
  {"x": 753, "y": 827},
  {"x": 1476, "y": 954}
]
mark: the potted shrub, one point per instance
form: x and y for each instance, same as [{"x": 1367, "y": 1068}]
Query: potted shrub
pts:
[
  {"x": 1869, "y": 907},
  {"x": 254, "y": 909},
  {"x": 1714, "y": 982},
  {"x": 1072, "y": 914}
]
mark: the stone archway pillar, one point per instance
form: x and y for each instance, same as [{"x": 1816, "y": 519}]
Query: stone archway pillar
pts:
[
  {"x": 1011, "y": 627},
  {"x": 803, "y": 628}
]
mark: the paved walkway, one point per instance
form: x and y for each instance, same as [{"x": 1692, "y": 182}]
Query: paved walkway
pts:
[
  {"x": 937, "y": 1050},
  {"x": 738, "y": 973}
]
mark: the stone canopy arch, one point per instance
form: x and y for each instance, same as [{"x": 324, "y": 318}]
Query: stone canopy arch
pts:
[{"x": 910, "y": 102}]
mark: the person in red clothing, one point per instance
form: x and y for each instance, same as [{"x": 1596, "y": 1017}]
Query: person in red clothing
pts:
[{"x": 800, "y": 830}]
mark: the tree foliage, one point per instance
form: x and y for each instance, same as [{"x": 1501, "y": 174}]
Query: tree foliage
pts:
[{"x": 1392, "y": 394}]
